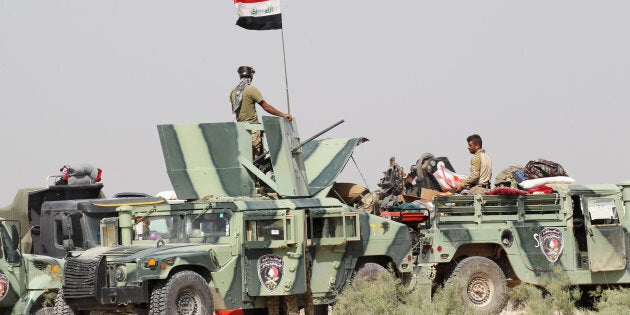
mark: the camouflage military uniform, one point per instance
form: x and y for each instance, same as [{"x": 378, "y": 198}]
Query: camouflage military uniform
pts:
[
  {"x": 505, "y": 178},
  {"x": 480, "y": 173}
]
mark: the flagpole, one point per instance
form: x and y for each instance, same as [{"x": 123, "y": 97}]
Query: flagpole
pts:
[
  {"x": 286, "y": 79},
  {"x": 271, "y": 19}
]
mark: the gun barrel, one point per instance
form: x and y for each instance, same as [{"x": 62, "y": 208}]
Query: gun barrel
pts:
[{"x": 317, "y": 135}]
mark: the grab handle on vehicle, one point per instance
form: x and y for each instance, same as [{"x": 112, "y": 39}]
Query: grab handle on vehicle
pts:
[{"x": 294, "y": 255}]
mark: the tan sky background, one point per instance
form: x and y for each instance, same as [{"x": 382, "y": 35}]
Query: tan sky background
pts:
[{"x": 88, "y": 81}]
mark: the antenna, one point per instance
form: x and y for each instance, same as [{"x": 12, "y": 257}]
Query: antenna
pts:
[{"x": 286, "y": 78}]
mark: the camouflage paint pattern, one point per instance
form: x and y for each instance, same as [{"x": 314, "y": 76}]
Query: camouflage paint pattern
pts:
[
  {"x": 41, "y": 279},
  {"x": 18, "y": 210},
  {"x": 589, "y": 251},
  {"x": 215, "y": 159},
  {"x": 264, "y": 253},
  {"x": 230, "y": 263},
  {"x": 26, "y": 280},
  {"x": 325, "y": 159}
]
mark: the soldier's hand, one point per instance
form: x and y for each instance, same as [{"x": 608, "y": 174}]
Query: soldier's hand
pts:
[{"x": 288, "y": 116}]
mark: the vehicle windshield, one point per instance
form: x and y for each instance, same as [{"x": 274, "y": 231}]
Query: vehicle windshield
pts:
[
  {"x": 157, "y": 227},
  {"x": 207, "y": 226},
  {"x": 93, "y": 233}
]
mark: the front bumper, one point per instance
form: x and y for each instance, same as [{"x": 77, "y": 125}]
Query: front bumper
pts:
[{"x": 86, "y": 283}]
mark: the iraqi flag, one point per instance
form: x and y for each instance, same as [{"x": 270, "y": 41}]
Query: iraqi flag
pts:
[{"x": 259, "y": 14}]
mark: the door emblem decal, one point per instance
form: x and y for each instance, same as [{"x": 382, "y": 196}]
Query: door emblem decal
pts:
[
  {"x": 4, "y": 286},
  {"x": 550, "y": 242},
  {"x": 270, "y": 271}
]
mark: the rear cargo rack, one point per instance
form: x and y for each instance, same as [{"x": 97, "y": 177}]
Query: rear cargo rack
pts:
[{"x": 497, "y": 208}]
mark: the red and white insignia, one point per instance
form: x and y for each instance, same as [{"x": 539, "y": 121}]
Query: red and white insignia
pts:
[
  {"x": 270, "y": 271},
  {"x": 4, "y": 286},
  {"x": 551, "y": 243}
]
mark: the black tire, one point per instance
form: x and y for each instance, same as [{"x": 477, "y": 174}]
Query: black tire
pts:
[
  {"x": 184, "y": 293},
  {"x": 484, "y": 286},
  {"x": 61, "y": 307},
  {"x": 369, "y": 271}
]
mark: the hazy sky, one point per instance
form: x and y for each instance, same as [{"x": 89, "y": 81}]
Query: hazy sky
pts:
[{"x": 88, "y": 81}]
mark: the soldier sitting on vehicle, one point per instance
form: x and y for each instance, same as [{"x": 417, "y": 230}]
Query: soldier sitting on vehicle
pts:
[{"x": 478, "y": 182}]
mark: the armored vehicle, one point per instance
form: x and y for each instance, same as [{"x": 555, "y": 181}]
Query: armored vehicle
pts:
[
  {"x": 63, "y": 218},
  {"x": 494, "y": 241},
  {"x": 244, "y": 240},
  {"x": 28, "y": 283}
]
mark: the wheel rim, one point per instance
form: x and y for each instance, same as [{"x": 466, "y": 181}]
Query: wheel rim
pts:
[
  {"x": 479, "y": 290},
  {"x": 188, "y": 303}
]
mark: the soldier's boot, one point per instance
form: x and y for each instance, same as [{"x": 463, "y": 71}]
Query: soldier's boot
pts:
[
  {"x": 273, "y": 305},
  {"x": 291, "y": 305}
]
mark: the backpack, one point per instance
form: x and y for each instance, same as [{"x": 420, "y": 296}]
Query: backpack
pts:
[
  {"x": 543, "y": 168},
  {"x": 506, "y": 177}
]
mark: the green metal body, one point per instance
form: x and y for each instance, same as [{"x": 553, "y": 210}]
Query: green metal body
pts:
[
  {"x": 27, "y": 282},
  {"x": 583, "y": 229},
  {"x": 249, "y": 241}
]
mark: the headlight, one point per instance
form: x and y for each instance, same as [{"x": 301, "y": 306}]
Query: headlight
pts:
[{"x": 121, "y": 273}]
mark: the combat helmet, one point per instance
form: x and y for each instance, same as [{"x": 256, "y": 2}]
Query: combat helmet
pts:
[{"x": 245, "y": 71}]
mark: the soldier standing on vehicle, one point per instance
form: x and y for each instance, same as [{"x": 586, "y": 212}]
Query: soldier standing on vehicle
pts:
[
  {"x": 244, "y": 98},
  {"x": 478, "y": 180}
]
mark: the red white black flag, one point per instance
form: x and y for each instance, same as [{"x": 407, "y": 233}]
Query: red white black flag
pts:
[{"x": 259, "y": 14}]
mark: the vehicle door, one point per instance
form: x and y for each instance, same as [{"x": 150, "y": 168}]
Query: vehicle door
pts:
[
  {"x": 61, "y": 232},
  {"x": 605, "y": 236},
  {"x": 330, "y": 230},
  {"x": 273, "y": 253},
  {"x": 12, "y": 271}
]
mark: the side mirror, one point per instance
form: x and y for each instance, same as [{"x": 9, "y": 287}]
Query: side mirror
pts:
[
  {"x": 15, "y": 237},
  {"x": 68, "y": 244},
  {"x": 66, "y": 221}
]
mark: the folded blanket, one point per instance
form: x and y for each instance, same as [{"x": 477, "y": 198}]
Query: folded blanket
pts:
[{"x": 533, "y": 183}]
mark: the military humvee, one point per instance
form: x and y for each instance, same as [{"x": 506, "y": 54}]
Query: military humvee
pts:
[
  {"x": 28, "y": 283},
  {"x": 63, "y": 218},
  {"x": 243, "y": 238},
  {"x": 493, "y": 241}
]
